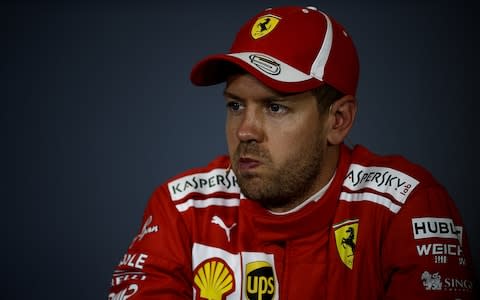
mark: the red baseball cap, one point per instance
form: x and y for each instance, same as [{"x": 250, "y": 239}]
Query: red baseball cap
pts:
[{"x": 290, "y": 49}]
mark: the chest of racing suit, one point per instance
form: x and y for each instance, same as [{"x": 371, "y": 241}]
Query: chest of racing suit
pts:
[{"x": 384, "y": 229}]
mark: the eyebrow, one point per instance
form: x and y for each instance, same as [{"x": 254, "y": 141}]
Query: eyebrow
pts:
[
  {"x": 273, "y": 98},
  {"x": 230, "y": 95}
]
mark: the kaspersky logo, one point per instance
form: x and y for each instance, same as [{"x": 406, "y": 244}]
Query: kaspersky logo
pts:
[
  {"x": 264, "y": 25},
  {"x": 259, "y": 281},
  {"x": 213, "y": 280},
  {"x": 346, "y": 240}
]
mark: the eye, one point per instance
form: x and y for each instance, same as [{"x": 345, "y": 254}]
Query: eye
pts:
[
  {"x": 277, "y": 108},
  {"x": 234, "y": 106}
]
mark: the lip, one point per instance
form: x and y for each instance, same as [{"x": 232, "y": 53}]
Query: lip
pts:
[{"x": 246, "y": 163}]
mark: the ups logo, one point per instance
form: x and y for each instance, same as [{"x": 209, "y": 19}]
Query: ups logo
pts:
[{"x": 260, "y": 281}]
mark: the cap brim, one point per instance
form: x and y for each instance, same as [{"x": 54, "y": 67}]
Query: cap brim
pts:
[{"x": 217, "y": 68}]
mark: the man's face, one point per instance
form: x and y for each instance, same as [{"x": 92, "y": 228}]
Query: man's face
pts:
[{"x": 276, "y": 142}]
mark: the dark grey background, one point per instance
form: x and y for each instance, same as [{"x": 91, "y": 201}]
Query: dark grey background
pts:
[{"x": 97, "y": 110}]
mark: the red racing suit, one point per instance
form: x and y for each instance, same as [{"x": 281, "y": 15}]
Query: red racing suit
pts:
[{"x": 382, "y": 229}]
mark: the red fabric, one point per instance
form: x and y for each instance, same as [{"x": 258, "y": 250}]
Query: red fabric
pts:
[
  {"x": 311, "y": 31},
  {"x": 395, "y": 225}
]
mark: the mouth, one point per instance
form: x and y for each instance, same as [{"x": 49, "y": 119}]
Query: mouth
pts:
[{"x": 247, "y": 164}]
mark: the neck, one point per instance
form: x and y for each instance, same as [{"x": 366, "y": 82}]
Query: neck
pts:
[{"x": 325, "y": 174}]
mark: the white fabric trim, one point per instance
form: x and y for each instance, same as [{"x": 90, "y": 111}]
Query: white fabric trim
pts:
[
  {"x": 314, "y": 198},
  {"x": 207, "y": 202},
  {"x": 318, "y": 66},
  {"x": 272, "y": 67},
  {"x": 350, "y": 197}
]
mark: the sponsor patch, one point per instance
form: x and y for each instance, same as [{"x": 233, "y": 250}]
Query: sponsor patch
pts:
[
  {"x": 271, "y": 67},
  {"x": 434, "y": 281},
  {"x": 119, "y": 277},
  {"x": 202, "y": 253},
  {"x": 124, "y": 294},
  {"x": 265, "y": 63},
  {"x": 264, "y": 25},
  {"x": 432, "y": 227},
  {"x": 384, "y": 180},
  {"x": 217, "y": 180},
  {"x": 439, "y": 249},
  {"x": 134, "y": 260},
  {"x": 260, "y": 280},
  {"x": 442, "y": 253},
  {"x": 346, "y": 240},
  {"x": 214, "y": 279},
  {"x": 146, "y": 229},
  {"x": 218, "y": 221},
  {"x": 252, "y": 274}
]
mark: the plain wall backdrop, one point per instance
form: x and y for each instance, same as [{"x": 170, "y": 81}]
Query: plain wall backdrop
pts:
[{"x": 97, "y": 110}]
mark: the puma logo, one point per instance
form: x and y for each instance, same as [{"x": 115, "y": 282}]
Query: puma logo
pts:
[{"x": 219, "y": 222}]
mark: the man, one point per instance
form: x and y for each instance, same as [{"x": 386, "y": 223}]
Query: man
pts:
[{"x": 292, "y": 212}]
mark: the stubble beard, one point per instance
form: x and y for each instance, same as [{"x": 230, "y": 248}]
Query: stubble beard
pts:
[{"x": 286, "y": 185}]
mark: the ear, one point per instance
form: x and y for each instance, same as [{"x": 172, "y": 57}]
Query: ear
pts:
[{"x": 341, "y": 117}]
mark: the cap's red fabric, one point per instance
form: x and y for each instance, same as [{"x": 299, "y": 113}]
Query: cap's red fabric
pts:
[{"x": 290, "y": 49}]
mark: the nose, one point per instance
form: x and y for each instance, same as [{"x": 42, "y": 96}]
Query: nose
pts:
[{"x": 251, "y": 126}]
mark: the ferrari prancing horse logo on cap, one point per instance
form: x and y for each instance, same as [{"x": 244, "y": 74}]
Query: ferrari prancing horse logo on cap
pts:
[{"x": 264, "y": 25}]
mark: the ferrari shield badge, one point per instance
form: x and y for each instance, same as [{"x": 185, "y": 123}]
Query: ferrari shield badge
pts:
[
  {"x": 346, "y": 240},
  {"x": 264, "y": 25}
]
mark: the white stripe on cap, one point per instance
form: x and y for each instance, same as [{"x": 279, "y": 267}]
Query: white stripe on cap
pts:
[
  {"x": 272, "y": 67},
  {"x": 318, "y": 67}
]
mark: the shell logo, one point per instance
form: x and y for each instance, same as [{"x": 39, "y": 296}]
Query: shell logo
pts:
[{"x": 213, "y": 280}]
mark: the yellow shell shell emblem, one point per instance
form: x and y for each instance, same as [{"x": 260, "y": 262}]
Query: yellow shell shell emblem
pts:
[
  {"x": 346, "y": 240},
  {"x": 264, "y": 25},
  {"x": 214, "y": 279}
]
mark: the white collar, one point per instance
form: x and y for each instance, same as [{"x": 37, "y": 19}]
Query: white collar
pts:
[{"x": 314, "y": 198}]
